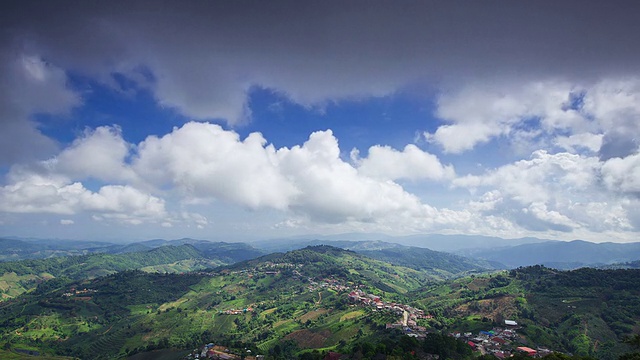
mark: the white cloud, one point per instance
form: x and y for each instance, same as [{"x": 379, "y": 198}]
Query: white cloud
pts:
[
  {"x": 575, "y": 143},
  {"x": 204, "y": 161},
  {"x": 66, "y": 222},
  {"x": 601, "y": 116},
  {"x": 200, "y": 162},
  {"x": 313, "y": 188},
  {"x": 34, "y": 193},
  {"x": 552, "y": 217},
  {"x": 615, "y": 105},
  {"x": 529, "y": 181},
  {"x": 98, "y": 154},
  {"x": 622, "y": 175},
  {"x": 479, "y": 113},
  {"x": 558, "y": 192},
  {"x": 384, "y": 162},
  {"x": 331, "y": 190}
]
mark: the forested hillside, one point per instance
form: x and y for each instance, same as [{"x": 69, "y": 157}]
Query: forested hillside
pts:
[
  {"x": 20, "y": 276},
  {"x": 587, "y": 312}
]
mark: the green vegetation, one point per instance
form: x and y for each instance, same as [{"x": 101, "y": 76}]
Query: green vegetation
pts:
[
  {"x": 586, "y": 312},
  {"x": 21, "y": 276},
  {"x": 298, "y": 298},
  {"x": 296, "y": 305},
  {"x": 435, "y": 263}
]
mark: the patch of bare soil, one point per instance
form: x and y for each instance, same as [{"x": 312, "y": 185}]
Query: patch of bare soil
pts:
[
  {"x": 309, "y": 339},
  {"x": 497, "y": 309},
  {"x": 312, "y": 315}
]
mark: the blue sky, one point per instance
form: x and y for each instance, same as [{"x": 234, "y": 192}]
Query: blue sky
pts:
[{"x": 239, "y": 121}]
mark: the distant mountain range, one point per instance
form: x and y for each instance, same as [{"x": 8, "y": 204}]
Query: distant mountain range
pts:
[
  {"x": 14, "y": 249},
  {"x": 560, "y": 254},
  {"x": 449, "y": 254},
  {"x": 436, "y": 263},
  {"x": 437, "y": 242},
  {"x": 488, "y": 252}
]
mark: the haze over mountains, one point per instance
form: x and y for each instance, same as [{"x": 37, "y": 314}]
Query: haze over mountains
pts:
[{"x": 481, "y": 252}]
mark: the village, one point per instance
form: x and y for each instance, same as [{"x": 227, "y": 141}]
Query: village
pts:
[
  {"x": 219, "y": 352},
  {"x": 497, "y": 341}
]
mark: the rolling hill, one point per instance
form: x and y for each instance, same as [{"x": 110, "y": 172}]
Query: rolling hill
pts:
[
  {"x": 300, "y": 298},
  {"x": 19, "y": 249},
  {"x": 586, "y": 312},
  {"x": 324, "y": 298},
  {"x": 436, "y": 263},
  {"x": 306, "y": 302},
  {"x": 19, "y": 276}
]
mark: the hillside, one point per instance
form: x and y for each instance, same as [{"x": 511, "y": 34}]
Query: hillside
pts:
[
  {"x": 303, "y": 303},
  {"x": 16, "y": 249},
  {"x": 586, "y": 312},
  {"x": 181, "y": 255},
  {"x": 20, "y": 276},
  {"x": 279, "y": 303},
  {"x": 432, "y": 262},
  {"x": 435, "y": 263},
  {"x": 560, "y": 254}
]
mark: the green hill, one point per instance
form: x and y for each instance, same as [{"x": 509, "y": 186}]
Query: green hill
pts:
[
  {"x": 432, "y": 262},
  {"x": 304, "y": 303},
  {"x": 20, "y": 276},
  {"x": 586, "y": 312},
  {"x": 300, "y": 298},
  {"x": 436, "y": 263}
]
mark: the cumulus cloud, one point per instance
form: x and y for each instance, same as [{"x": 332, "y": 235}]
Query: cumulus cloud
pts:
[
  {"x": 600, "y": 116},
  {"x": 411, "y": 163},
  {"x": 622, "y": 174},
  {"x": 480, "y": 113},
  {"x": 98, "y": 154},
  {"x": 559, "y": 192},
  {"x": 34, "y": 193},
  {"x": 315, "y": 188},
  {"x": 332, "y": 190},
  {"x": 203, "y": 161},
  {"x": 577, "y": 142}
]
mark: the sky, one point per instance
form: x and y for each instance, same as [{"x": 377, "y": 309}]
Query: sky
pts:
[{"x": 246, "y": 120}]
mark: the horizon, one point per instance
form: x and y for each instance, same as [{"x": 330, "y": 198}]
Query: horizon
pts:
[
  {"x": 239, "y": 121},
  {"x": 345, "y": 237}
]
